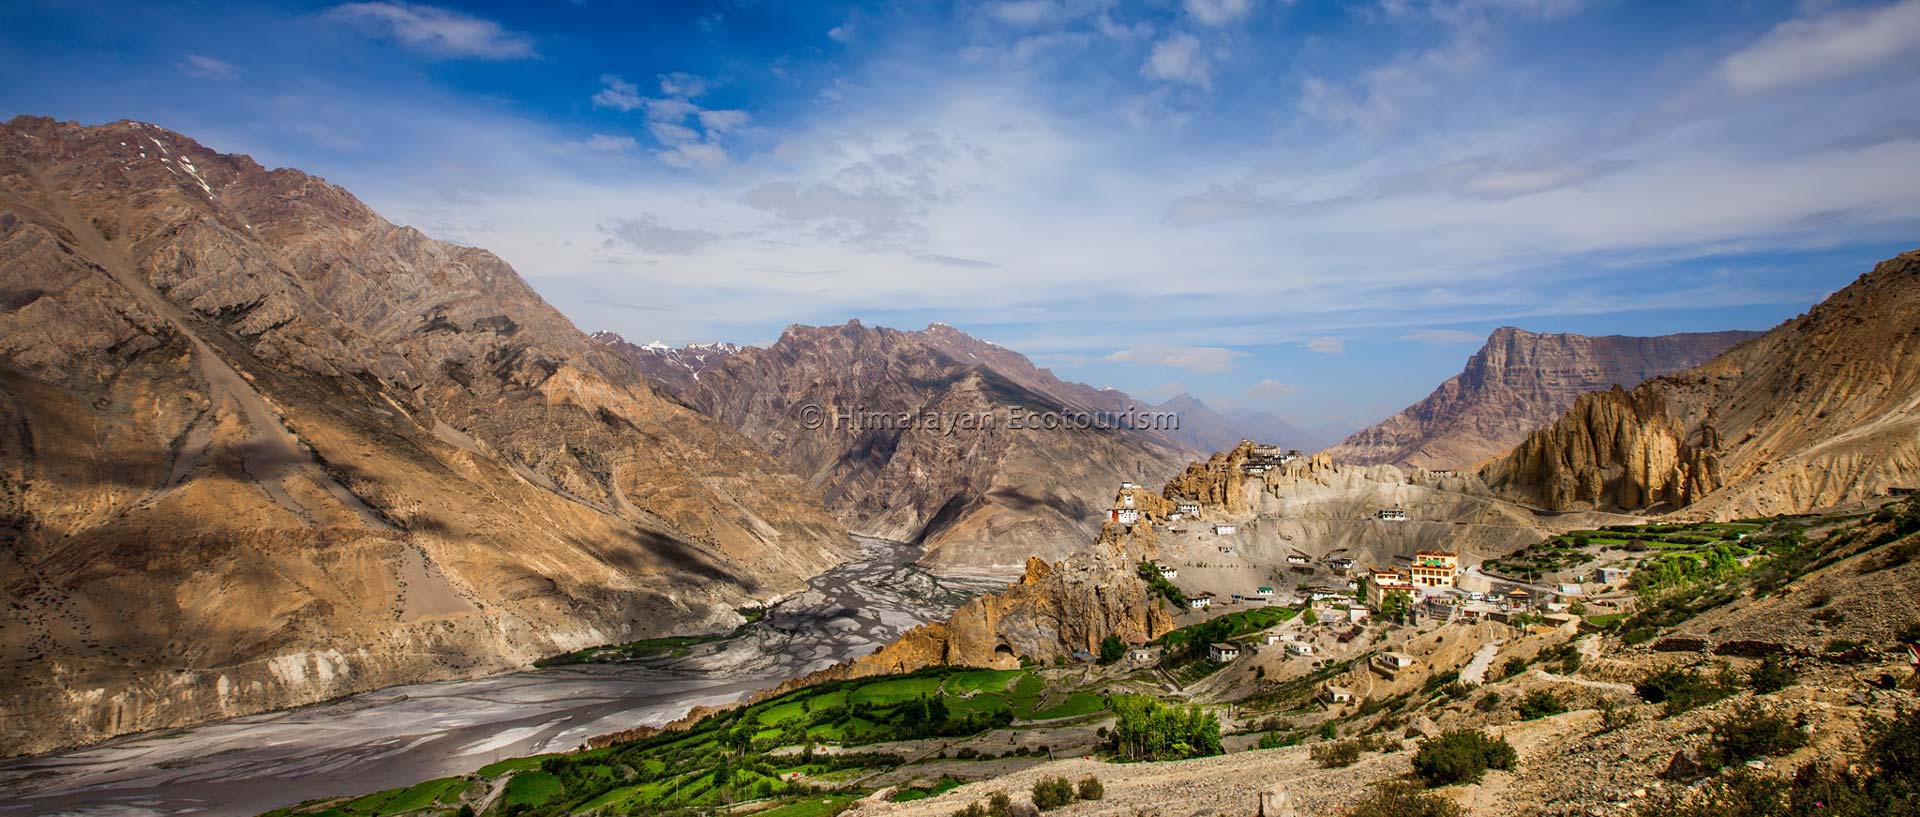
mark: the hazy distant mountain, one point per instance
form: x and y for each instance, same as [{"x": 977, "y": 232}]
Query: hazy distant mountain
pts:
[
  {"x": 260, "y": 447},
  {"x": 977, "y": 496},
  {"x": 1516, "y": 383},
  {"x": 1822, "y": 410},
  {"x": 1203, "y": 428}
]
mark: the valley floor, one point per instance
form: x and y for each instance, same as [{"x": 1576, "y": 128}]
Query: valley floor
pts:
[{"x": 404, "y": 734}]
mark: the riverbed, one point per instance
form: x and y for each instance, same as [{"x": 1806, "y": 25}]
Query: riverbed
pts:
[{"x": 407, "y": 734}]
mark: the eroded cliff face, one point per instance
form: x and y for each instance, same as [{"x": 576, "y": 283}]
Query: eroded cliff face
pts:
[
  {"x": 889, "y": 451},
  {"x": 260, "y": 447},
  {"x": 1824, "y": 410},
  {"x": 1517, "y": 382}
]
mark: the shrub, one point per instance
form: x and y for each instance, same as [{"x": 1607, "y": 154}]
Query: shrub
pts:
[
  {"x": 1461, "y": 756},
  {"x": 1541, "y": 703},
  {"x": 1512, "y": 667},
  {"x": 972, "y": 810},
  {"x": 1050, "y": 793},
  {"x": 1401, "y": 799},
  {"x": 1772, "y": 675},
  {"x": 1091, "y": 789},
  {"x": 1329, "y": 730},
  {"x": 1683, "y": 689},
  {"x": 1613, "y": 716},
  {"x": 1488, "y": 702},
  {"x": 1276, "y": 740},
  {"x": 1335, "y": 755},
  {"x": 1112, "y": 649},
  {"x": 999, "y": 804},
  {"x": 1750, "y": 732}
]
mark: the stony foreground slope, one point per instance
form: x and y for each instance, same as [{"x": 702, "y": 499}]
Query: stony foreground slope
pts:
[
  {"x": 1822, "y": 410},
  {"x": 978, "y": 497},
  {"x": 260, "y": 447},
  {"x": 1518, "y": 382}
]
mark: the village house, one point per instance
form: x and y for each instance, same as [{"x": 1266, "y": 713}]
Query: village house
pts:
[
  {"x": 1299, "y": 648},
  {"x": 1126, "y": 500},
  {"x": 1568, "y": 590},
  {"x": 1224, "y": 530},
  {"x": 1228, "y": 550},
  {"x": 1168, "y": 572},
  {"x": 1358, "y": 615},
  {"x": 1340, "y": 563},
  {"x": 1187, "y": 508},
  {"x": 1434, "y": 568},
  {"x": 1393, "y": 514},
  {"x": 1200, "y": 601},
  {"x": 1175, "y": 516},
  {"x": 1336, "y": 695},
  {"x": 1613, "y": 576},
  {"x": 1390, "y": 664},
  {"x": 1128, "y": 486},
  {"x": 1275, "y": 638},
  {"x": 1124, "y": 516},
  {"x": 1298, "y": 559},
  {"x": 1142, "y": 655},
  {"x": 1222, "y": 653},
  {"x": 1519, "y": 599},
  {"x": 1264, "y": 592}
]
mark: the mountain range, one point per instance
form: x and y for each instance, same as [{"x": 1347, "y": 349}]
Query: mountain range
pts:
[
  {"x": 981, "y": 498},
  {"x": 260, "y": 447}
]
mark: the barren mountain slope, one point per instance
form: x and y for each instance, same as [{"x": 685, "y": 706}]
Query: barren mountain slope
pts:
[
  {"x": 1822, "y": 410},
  {"x": 894, "y": 459},
  {"x": 260, "y": 447},
  {"x": 1517, "y": 382}
]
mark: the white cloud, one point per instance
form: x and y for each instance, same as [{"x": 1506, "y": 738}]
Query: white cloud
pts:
[
  {"x": 1327, "y": 345},
  {"x": 435, "y": 31},
  {"x": 689, "y": 135},
  {"x": 618, "y": 93},
  {"x": 694, "y": 155},
  {"x": 1218, "y": 12},
  {"x": 1177, "y": 59},
  {"x": 1269, "y": 389},
  {"x": 1442, "y": 337},
  {"x": 682, "y": 84},
  {"x": 842, "y": 33},
  {"x": 648, "y": 235},
  {"x": 1197, "y": 359},
  {"x": 1024, "y": 12},
  {"x": 1834, "y": 44},
  {"x": 204, "y": 67},
  {"x": 722, "y": 121},
  {"x": 608, "y": 143}
]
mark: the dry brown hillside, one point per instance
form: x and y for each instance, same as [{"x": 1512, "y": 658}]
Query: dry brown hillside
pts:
[
  {"x": 1821, "y": 411},
  {"x": 260, "y": 447},
  {"x": 1518, "y": 382}
]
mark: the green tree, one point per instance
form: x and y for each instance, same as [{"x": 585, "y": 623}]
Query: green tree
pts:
[
  {"x": 1396, "y": 604},
  {"x": 1112, "y": 649}
]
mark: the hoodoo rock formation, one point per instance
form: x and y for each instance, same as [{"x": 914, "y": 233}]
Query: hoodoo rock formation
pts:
[
  {"x": 260, "y": 447},
  {"x": 1821, "y": 411},
  {"x": 1518, "y": 382}
]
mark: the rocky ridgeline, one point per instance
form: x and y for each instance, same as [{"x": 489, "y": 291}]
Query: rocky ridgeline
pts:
[
  {"x": 1821, "y": 411},
  {"x": 1517, "y": 382},
  {"x": 888, "y": 448}
]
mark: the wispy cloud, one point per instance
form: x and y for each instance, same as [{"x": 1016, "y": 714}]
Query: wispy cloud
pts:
[
  {"x": 1327, "y": 345},
  {"x": 689, "y": 135},
  {"x": 205, "y": 67},
  {"x": 1198, "y": 359},
  {"x": 1442, "y": 337},
  {"x": 1834, "y": 43},
  {"x": 435, "y": 31}
]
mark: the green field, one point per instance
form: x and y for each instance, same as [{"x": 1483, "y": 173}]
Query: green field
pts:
[{"x": 762, "y": 753}]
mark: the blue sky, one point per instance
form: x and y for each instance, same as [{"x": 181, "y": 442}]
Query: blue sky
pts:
[{"x": 1317, "y": 208}]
